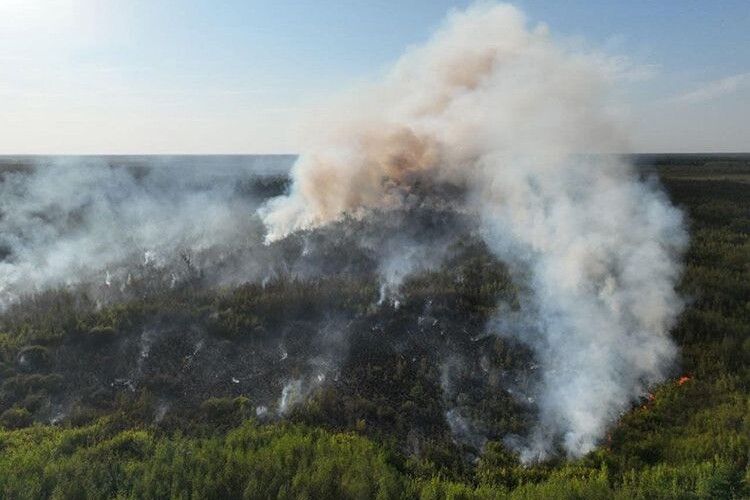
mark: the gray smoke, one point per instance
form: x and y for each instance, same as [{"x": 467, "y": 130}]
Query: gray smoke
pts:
[{"x": 520, "y": 124}]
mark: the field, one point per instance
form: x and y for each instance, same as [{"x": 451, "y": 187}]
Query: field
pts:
[{"x": 252, "y": 391}]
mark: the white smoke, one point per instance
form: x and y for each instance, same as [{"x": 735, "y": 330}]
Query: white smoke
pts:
[
  {"x": 297, "y": 391},
  {"x": 503, "y": 112},
  {"x": 291, "y": 394},
  {"x": 68, "y": 220}
]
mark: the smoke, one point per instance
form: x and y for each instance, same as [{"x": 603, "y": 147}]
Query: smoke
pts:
[
  {"x": 518, "y": 125},
  {"x": 68, "y": 221}
]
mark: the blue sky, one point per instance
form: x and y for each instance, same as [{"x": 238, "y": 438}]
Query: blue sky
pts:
[{"x": 158, "y": 76}]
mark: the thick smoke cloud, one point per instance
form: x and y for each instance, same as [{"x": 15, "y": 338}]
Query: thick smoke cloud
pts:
[{"x": 518, "y": 124}]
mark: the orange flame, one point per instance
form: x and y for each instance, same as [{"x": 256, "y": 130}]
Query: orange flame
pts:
[{"x": 683, "y": 379}]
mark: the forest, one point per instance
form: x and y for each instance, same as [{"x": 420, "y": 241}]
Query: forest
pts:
[{"x": 313, "y": 385}]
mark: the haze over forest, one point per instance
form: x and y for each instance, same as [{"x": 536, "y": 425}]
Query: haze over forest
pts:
[{"x": 463, "y": 284}]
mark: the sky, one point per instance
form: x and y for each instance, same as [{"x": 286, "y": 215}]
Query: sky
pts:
[{"x": 236, "y": 76}]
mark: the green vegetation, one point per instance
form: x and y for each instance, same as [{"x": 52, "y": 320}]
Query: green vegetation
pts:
[
  {"x": 292, "y": 461},
  {"x": 181, "y": 428}
]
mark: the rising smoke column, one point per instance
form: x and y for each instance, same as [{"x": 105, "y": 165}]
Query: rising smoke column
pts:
[{"x": 501, "y": 111}]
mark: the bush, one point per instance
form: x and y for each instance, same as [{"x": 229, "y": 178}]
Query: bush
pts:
[{"x": 15, "y": 418}]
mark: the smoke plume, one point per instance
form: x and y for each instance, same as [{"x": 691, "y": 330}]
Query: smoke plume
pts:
[{"x": 519, "y": 125}]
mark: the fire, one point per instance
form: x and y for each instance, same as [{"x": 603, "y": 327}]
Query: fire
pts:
[
  {"x": 683, "y": 379},
  {"x": 651, "y": 397}
]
